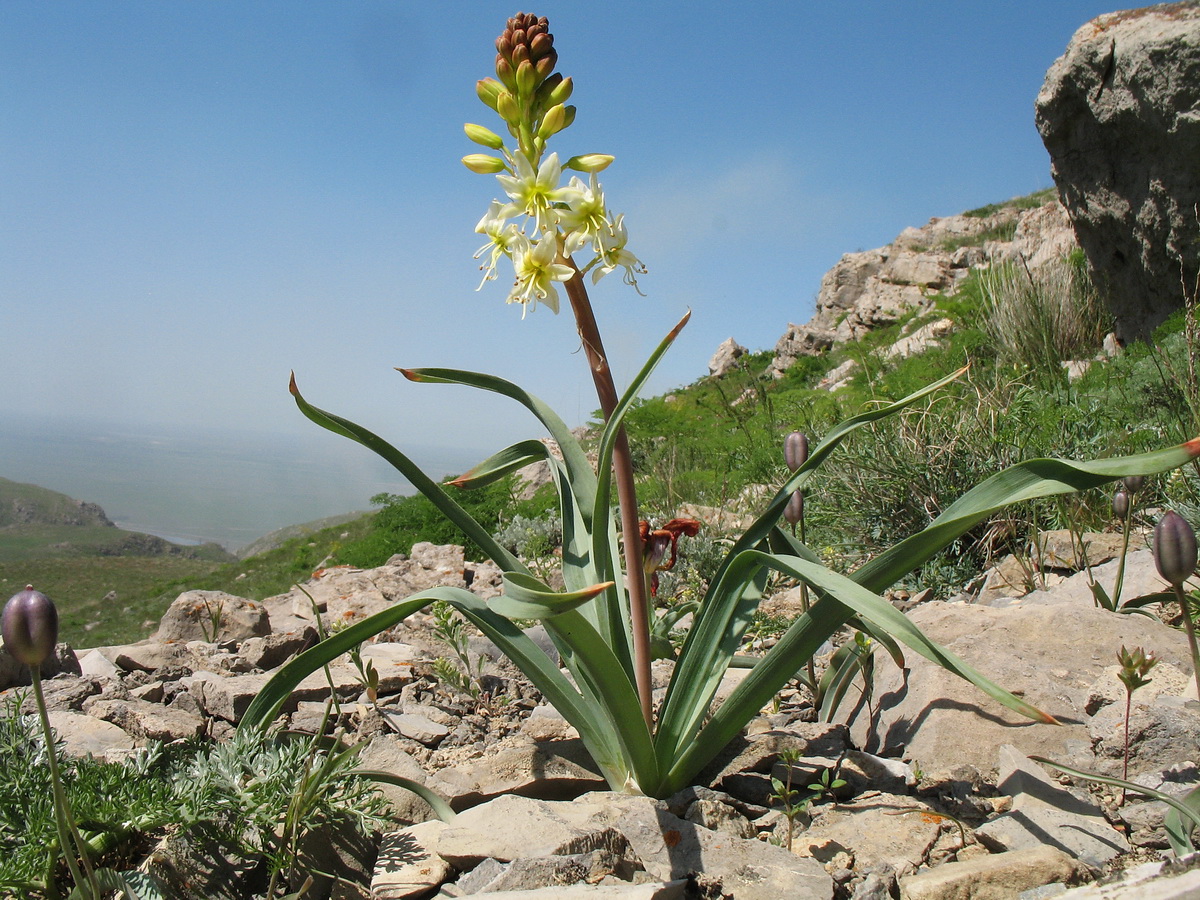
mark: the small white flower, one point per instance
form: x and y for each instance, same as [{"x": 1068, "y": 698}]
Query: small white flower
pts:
[
  {"x": 610, "y": 248},
  {"x": 585, "y": 216},
  {"x": 535, "y": 193},
  {"x": 502, "y": 236},
  {"x": 537, "y": 270}
]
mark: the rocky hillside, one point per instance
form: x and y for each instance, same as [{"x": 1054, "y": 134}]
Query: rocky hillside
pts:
[
  {"x": 27, "y": 505},
  {"x": 36, "y": 521},
  {"x": 874, "y": 288}
]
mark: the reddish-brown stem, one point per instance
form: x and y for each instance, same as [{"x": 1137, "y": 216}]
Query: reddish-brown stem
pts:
[{"x": 639, "y": 607}]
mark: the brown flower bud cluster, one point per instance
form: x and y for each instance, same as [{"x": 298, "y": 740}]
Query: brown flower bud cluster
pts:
[{"x": 529, "y": 95}]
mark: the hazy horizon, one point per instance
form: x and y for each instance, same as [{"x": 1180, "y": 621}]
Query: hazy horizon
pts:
[{"x": 190, "y": 486}]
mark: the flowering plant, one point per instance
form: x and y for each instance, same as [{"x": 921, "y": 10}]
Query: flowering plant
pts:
[{"x": 600, "y": 622}]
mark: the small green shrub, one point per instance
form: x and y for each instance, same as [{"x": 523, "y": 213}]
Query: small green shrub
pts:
[{"x": 1039, "y": 318}]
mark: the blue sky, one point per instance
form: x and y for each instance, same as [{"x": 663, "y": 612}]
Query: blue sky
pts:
[{"x": 198, "y": 197}]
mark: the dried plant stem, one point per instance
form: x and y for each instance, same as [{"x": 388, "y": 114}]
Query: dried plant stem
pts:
[{"x": 606, "y": 391}]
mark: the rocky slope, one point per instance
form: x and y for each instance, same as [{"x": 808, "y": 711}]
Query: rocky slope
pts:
[
  {"x": 932, "y": 811},
  {"x": 873, "y": 288}
]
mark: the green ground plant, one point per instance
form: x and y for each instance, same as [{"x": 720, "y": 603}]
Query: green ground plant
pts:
[
  {"x": 1040, "y": 318},
  {"x": 600, "y": 621}
]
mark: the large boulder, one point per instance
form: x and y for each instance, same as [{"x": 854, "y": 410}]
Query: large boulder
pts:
[{"x": 1119, "y": 114}]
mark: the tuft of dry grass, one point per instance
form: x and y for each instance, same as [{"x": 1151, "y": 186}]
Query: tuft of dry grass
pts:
[{"x": 1040, "y": 318}]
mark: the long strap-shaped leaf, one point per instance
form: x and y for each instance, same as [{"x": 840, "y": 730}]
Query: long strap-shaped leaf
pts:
[
  {"x": 841, "y": 599},
  {"x": 578, "y": 571},
  {"x": 1022, "y": 482},
  {"x": 266, "y": 705},
  {"x": 422, "y": 482},
  {"x": 615, "y": 703},
  {"x": 601, "y": 741},
  {"x": 1025, "y": 481},
  {"x": 510, "y": 459},
  {"x": 761, "y": 527},
  {"x": 583, "y": 479}
]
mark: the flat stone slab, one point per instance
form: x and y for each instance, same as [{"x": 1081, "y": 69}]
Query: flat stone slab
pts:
[
  {"x": 83, "y": 735},
  {"x": 1000, "y": 875},
  {"x": 407, "y": 865}
]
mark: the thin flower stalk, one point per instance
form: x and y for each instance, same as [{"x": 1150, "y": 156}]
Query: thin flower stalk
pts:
[{"x": 606, "y": 391}]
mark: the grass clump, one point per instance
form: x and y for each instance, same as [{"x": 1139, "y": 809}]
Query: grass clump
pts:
[{"x": 1039, "y": 318}]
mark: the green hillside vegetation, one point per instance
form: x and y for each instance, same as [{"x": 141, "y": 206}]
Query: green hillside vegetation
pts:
[
  {"x": 717, "y": 443},
  {"x": 70, "y": 550}
]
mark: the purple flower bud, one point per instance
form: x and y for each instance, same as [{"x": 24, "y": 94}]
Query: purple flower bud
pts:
[
  {"x": 30, "y": 626},
  {"x": 1121, "y": 505},
  {"x": 1133, "y": 483},
  {"x": 794, "y": 511},
  {"x": 1174, "y": 548},
  {"x": 795, "y": 450}
]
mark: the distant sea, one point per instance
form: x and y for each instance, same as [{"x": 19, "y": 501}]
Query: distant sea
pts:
[{"x": 190, "y": 486}]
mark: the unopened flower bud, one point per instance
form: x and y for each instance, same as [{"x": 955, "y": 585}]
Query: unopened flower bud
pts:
[
  {"x": 1133, "y": 483},
  {"x": 795, "y": 450},
  {"x": 506, "y": 73},
  {"x": 1174, "y": 548},
  {"x": 1121, "y": 505},
  {"x": 589, "y": 162},
  {"x": 541, "y": 45},
  {"x": 483, "y": 136},
  {"x": 554, "y": 90},
  {"x": 30, "y": 626},
  {"x": 506, "y": 105},
  {"x": 552, "y": 122},
  {"x": 489, "y": 90},
  {"x": 794, "y": 511},
  {"x": 483, "y": 164},
  {"x": 527, "y": 78},
  {"x": 545, "y": 66}
]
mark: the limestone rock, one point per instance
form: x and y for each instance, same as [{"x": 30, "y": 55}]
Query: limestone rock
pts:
[
  {"x": 145, "y": 720},
  {"x": 83, "y": 735},
  {"x": 1001, "y": 875},
  {"x": 548, "y": 770},
  {"x": 920, "y": 340},
  {"x": 725, "y": 358},
  {"x": 190, "y": 617},
  {"x": 1118, "y": 113},
  {"x": 927, "y": 714},
  {"x": 797, "y": 341}
]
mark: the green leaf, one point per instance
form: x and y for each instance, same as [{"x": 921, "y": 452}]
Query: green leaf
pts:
[
  {"x": 1179, "y": 827},
  {"x": 422, "y": 482},
  {"x": 1025, "y": 481},
  {"x": 613, "y": 618},
  {"x": 267, "y": 704},
  {"x": 440, "y": 807},
  {"x": 525, "y": 597},
  {"x": 496, "y": 466},
  {"x": 1184, "y": 815},
  {"x": 582, "y": 478}
]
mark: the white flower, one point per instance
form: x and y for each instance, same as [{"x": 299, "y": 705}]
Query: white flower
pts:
[
  {"x": 610, "y": 247},
  {"x": 585, "y": 215},
  {"x": 535, "y": 193},
  {"x": 537, "y": 270},
  {"x": 502, "y": 235}
]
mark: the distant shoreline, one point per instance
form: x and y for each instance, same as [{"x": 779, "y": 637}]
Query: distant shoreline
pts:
[{"x": 192, "y": 488}]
